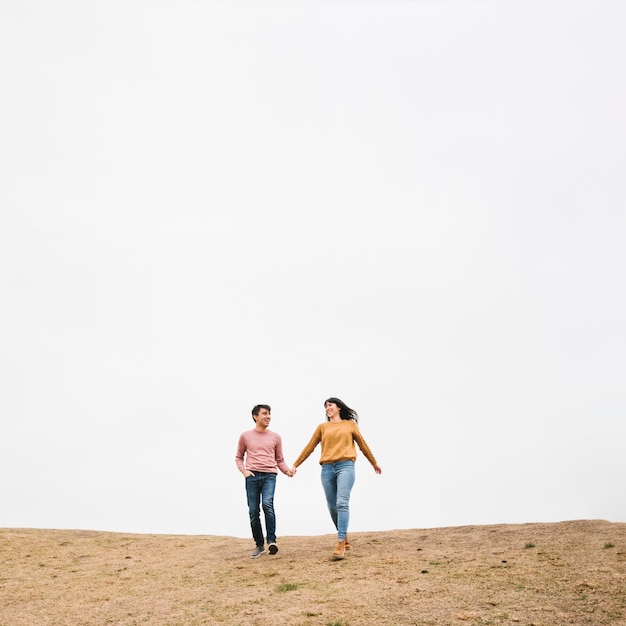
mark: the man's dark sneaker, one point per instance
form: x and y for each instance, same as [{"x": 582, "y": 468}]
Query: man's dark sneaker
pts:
[
  {"x": 273, "y": 548},
  {"x": 257, "y": 552}
]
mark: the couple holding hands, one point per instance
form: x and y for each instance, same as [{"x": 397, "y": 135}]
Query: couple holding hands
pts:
[{"x": 259, "y": 457}]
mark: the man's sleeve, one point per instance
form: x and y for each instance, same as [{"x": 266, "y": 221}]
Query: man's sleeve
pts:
[
  {"x": 280, "y": 459},
  {"x": 241, "y": 450}
]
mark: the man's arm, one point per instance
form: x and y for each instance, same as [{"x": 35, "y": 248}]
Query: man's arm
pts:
[
  {"x": 278, "y": 455},
  {"x": 239, "y": 457}
]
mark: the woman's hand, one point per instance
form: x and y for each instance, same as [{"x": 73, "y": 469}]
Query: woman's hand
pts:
[{"x": 378, "y": 469}]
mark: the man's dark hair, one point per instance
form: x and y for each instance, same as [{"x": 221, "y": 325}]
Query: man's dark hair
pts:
[{"x": 258, "y": 407}]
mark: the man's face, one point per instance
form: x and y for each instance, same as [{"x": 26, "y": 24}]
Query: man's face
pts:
[{"x": 263, "y": 418}]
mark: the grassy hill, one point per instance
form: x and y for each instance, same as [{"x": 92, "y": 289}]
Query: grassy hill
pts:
[{"x": 527, "y": 574}]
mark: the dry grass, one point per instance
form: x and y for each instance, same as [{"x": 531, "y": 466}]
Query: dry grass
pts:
[{"x": 530, "y": 574}]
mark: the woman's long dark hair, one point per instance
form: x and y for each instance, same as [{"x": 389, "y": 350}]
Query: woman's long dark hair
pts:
[{"x": 345, "y": 412}]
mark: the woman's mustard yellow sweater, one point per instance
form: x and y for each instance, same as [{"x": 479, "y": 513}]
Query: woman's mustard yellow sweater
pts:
[{"x": 337, "y": 439}]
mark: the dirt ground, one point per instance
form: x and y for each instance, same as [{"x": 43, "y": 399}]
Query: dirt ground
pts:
[{"x": 529, "y": 574}]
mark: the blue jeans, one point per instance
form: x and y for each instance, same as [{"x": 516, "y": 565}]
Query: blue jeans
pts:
[
  {"x": 260, "y": 491},
  {"x": 338, "y": 480}
]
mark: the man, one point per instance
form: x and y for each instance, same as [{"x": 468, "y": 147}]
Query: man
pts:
[{"x": 259, "y": 457}]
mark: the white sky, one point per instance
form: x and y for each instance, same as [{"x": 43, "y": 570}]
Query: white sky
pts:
[{"x": 419, "y": 207}]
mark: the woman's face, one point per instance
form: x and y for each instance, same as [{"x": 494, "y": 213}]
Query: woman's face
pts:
[{"x": 332, "y": 410}]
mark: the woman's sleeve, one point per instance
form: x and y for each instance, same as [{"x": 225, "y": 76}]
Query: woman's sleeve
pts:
[
  {"x": 365, "y": 449},
  {"x": 308, "y": 449}
]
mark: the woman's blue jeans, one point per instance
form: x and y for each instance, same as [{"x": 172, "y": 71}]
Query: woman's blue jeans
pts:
[
  {"x": 260, "y": 491},
  {"x": 338, "y": 480}
]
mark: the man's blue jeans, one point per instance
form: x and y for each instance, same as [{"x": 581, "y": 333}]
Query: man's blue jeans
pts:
[
  {"x": 260, "y": 490},
  {"x": 338, "y": 480}
]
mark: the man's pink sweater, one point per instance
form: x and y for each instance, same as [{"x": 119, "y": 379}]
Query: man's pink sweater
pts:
[{"x": 263, "y": 452}]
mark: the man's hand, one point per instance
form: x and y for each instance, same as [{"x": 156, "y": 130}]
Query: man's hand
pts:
[{"x": 247, "y": 473}]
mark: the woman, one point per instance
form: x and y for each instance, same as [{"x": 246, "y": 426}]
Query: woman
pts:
[{"x": 337, "y": 436}]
